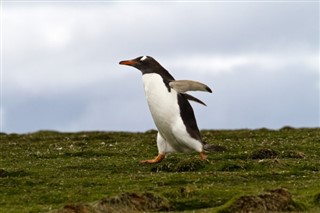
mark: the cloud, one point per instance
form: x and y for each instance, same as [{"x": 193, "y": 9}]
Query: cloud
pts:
[
  {"x": 221, "y": 64},
  {"x": 60, "y": 62}
]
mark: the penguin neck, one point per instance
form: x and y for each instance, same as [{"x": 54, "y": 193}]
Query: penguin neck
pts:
[
  {"x": 166, "y": 78},
  {"x": 158, "y": 69}
]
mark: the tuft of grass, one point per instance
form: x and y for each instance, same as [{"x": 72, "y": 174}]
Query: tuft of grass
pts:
[
  {"x": 179, "y": 165},
  {"x": 49, "y": 170},
  {"x": 277, "y": 200},
  {"x": 264, "y": 154}
]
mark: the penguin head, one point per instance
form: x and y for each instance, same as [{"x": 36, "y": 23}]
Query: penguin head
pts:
[{"x": 145, "y": 64}]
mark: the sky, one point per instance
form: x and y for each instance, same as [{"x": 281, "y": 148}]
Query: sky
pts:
[{"x": 60, "y": 63}]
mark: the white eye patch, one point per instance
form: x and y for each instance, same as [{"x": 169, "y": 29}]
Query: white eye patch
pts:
[{"x": 143, "y": 58}]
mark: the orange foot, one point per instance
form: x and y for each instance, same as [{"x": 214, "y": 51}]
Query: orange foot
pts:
[
  {"x": 157, "y": 159},
  {"x": 203, "y": 156}
]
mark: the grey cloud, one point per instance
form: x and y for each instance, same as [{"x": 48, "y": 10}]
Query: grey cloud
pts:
[{"x": 61, "y": 69}]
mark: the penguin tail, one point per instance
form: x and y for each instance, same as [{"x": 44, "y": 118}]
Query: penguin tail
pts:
[{"x": 214, "y": 148}]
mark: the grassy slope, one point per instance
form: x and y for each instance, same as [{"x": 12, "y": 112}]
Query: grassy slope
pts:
[{"x": 46, "y": 170}]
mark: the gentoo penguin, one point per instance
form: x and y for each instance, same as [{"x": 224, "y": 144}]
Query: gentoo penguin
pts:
[{"x": 171, "y": 111}]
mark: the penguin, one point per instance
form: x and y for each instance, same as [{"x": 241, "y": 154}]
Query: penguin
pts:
[{"x": 170, "y": 109}]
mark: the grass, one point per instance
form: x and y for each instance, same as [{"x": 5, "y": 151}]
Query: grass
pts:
[{"x": 47, "y": 170}]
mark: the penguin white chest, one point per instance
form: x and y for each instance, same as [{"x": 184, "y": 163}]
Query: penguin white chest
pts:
[{"x": 163, "y": 103}]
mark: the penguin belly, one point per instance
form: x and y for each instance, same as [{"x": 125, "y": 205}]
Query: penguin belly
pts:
[{"x": 165, "y": 111}]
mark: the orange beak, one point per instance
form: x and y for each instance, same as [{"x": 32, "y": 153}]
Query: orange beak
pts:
[{"x": 128, "y": 62}]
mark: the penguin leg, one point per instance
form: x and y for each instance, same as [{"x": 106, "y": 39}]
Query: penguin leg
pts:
[
  {"x": 203, "y": 156},
  {"x": 162, "y": 148},
  {"x": 157, "y": 159}
]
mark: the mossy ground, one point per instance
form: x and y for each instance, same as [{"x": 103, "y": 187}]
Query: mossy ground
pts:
[{"x": 47, "y": 170}]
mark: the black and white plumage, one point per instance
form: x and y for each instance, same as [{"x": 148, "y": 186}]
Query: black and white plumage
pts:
[{"x": 171, "y": 111}]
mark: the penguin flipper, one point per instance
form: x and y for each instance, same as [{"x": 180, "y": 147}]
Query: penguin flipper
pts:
[
  {"x": 183, "y": 86},
  {"x": 191, "y": 98}
]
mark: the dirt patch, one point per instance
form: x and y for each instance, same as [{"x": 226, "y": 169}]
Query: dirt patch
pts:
[
  {"x": 79, "y": 208},
  {"x": 3, "y": 173},
  {"x": 229, "y": 167},
  {"x": 293, "y": 154},
  {"x": 264, "y": 154},
  {"x": 215, "y": 148},
  {"x": 317, "y": 199},
  {"x": 134, "y": 202},
  {"x": 278, "y": 200},
  {"x": 19, "y": 173},
  {"x": 187, "y": 165},
  {"x": 126, "y": 202}
]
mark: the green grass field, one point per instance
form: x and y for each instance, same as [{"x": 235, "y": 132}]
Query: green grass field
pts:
[{"x": 47, "y": 170}]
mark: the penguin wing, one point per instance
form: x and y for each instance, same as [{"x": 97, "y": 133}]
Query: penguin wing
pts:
[
  {"x": 188, "y": 117},
  {"x": 182, "y": 86},
  {"x": 191, "y": 98}
]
